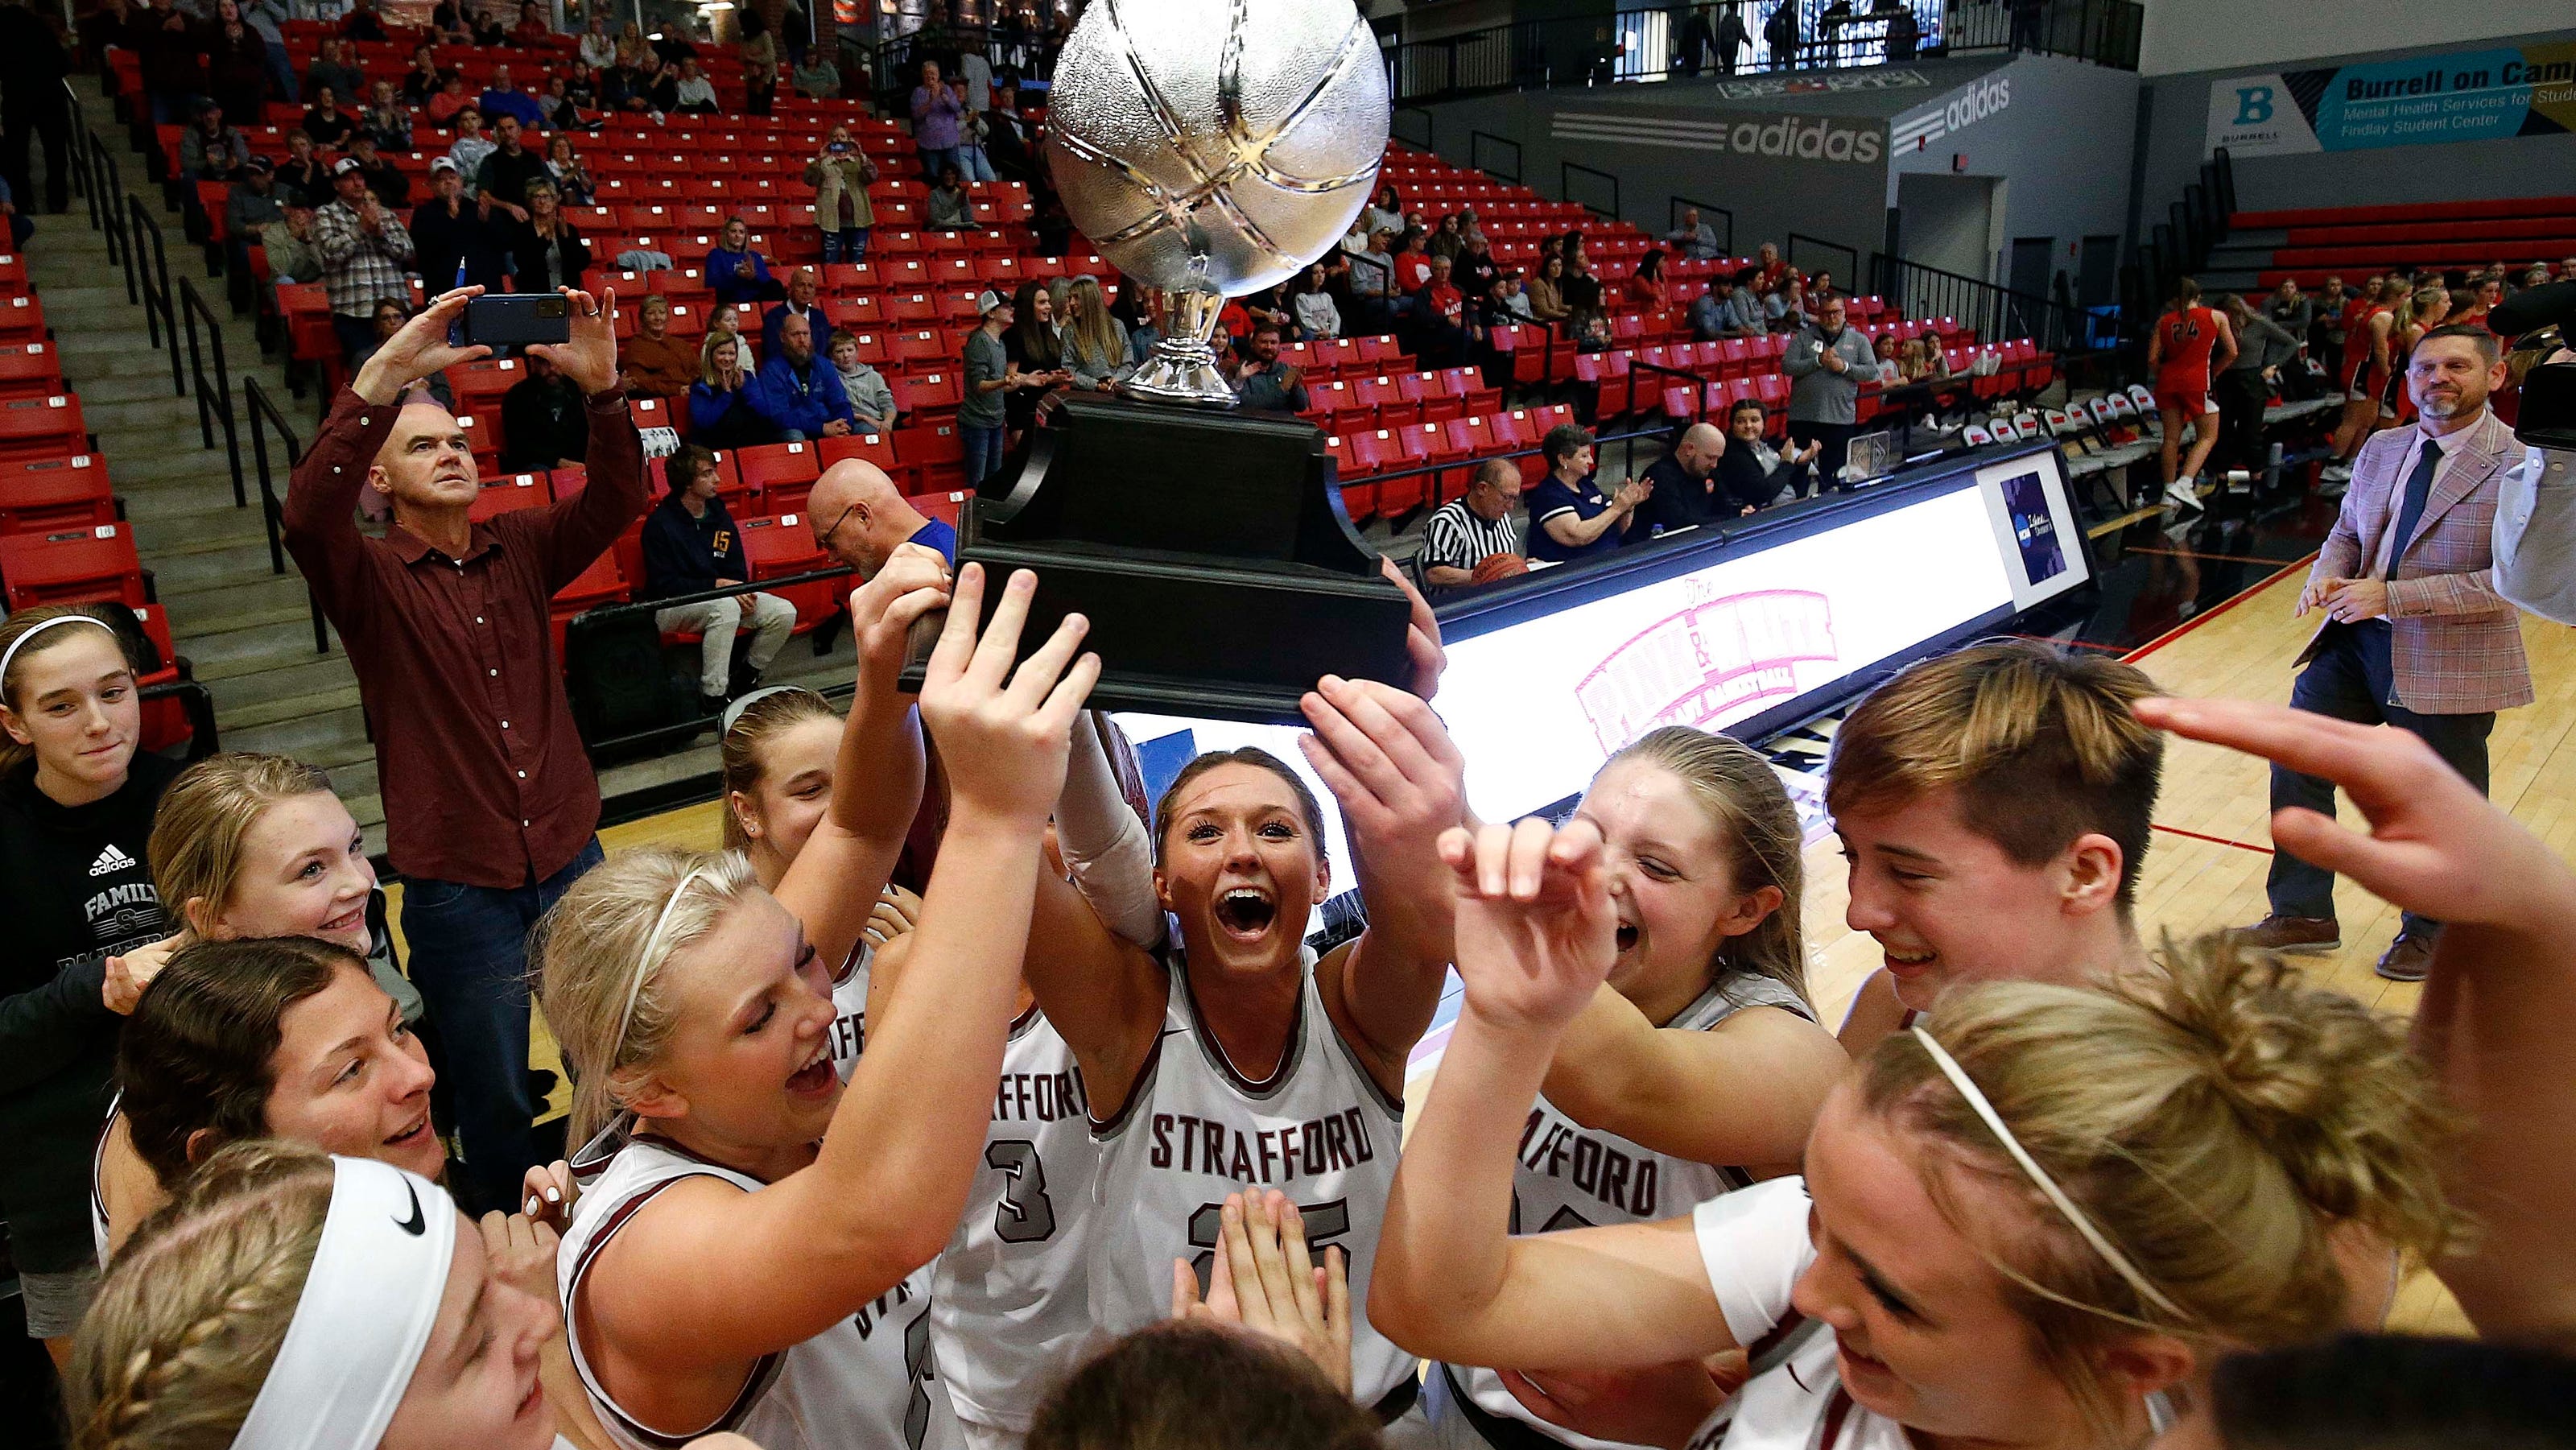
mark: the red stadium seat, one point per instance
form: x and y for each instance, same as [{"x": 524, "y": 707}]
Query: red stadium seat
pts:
[
  {"x": 71, "y": 565},
  {"x": 53, "y": 495},
  {"x": 784, "y": 545},
  {"x": 44, "y": 427},
  {"x": 510, "y": 492}
]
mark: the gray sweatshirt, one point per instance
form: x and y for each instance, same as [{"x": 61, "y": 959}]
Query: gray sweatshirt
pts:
[{"x": 1817, "y": 394}]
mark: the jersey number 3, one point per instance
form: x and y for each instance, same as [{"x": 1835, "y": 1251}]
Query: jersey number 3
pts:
[{"x": 1024, "y": 1216}]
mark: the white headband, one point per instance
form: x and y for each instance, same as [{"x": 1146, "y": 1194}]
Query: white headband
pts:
[
  {"x": 644, "y": 958},
  {"x": 2074, "y": 1216},
  {"x": 733, "y": 713},
  {"x": 41, "y": 626},
  {"x": 364, "y": 1316}
]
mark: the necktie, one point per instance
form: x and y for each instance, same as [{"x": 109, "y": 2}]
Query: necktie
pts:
[{"x": 2419, "y": 487}]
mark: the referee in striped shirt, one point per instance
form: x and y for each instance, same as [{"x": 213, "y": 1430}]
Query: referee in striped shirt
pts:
[{"x": 1464, "y": 532}]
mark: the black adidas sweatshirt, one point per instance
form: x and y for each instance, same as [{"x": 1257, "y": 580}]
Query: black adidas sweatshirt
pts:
[{"x": 74, "y": 890}]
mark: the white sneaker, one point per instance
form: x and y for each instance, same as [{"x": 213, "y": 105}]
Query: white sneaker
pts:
[
  {"x": 2335, "y": 473},
  {"x": 2180, "y": 494}
]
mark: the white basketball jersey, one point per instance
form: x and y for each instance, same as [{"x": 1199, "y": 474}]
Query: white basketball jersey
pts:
[
  {"x": 870, "y": 1382},
  {"x": 1194, "y": 1130},
  {"x": 850, "y": 1010},
  {"x": 1008, "y": 1306},
  {"x": 1571, "y": 1176}
]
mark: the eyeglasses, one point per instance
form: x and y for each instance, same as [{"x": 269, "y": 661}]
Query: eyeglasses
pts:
[{"x": 824, "y": 540}]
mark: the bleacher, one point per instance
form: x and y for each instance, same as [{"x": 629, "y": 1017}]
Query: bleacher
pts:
[
  {"x": 2263, "y": 248},
  {"x": 1404, "y": 438},
  {"x": 63, "y": 535}
]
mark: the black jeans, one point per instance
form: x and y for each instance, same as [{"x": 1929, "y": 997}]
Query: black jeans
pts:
[
  {"x": 1836, "y": 438},
  {"x": 2241, "y": 394},
  {"x": 2353, "y": 678}
]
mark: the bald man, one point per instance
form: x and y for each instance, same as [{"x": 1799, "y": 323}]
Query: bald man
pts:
[
  {"x": 490, "y": 803},
  {"x": 860, "y": 519},
  {"x": 1685, "y": 493}
]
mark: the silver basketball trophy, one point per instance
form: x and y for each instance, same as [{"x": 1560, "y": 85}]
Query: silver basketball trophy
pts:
[
  {"x": 1211, "y": 148},
  {"x": 1207, "y": 147}
]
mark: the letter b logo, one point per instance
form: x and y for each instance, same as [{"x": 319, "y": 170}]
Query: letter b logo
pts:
[{"x": 2253, "y": 105}]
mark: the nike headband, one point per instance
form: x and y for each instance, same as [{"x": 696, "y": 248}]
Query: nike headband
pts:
[
  {"x": 10, "y": 655},
  {"x": 364, "y": 1316}
]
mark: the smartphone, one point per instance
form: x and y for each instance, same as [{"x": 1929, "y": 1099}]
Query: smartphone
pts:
[
  {"x": 838, "y": 148},
  {"x": 516, "y": 318}
]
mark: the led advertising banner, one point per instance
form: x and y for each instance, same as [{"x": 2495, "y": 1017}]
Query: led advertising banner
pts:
[
  {"x": 1541, "y": 690},
  {"x": 2421, "y": 100}
]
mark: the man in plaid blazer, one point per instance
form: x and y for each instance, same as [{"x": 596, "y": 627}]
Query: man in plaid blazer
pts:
[{"x": 2415, "y": 634}]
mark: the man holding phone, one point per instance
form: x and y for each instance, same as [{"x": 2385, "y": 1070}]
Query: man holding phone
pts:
[{"x": 490, "y": 804}]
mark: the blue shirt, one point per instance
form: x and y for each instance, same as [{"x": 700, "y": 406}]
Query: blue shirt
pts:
[
  {"x": 730, "y": 288},
  {"x": 496, "y": 104},
  {"x": 1583, "y": 500},
  {"x": 937, "y": 535}
]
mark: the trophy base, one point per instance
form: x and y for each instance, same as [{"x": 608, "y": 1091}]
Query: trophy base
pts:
[{"x": 1180, "y": 370}]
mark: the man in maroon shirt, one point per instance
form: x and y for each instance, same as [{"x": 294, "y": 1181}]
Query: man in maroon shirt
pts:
[{"x": 490, "y": 803}]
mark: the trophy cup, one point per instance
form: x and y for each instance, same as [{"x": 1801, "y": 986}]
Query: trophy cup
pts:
[
  {"x": 1211, "y": 148},
  {"x": 1208, "y": 147}
]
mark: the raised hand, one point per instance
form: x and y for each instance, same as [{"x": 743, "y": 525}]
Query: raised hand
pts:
[
  {"x": 1388, "y": 759},
  {"x": 589, "y": 358},
  {"x": 1266, "y": 1281},
  {"x": 913, "y": 582},
  {"x": 1536, "y": 933},
  {"x": 1004, "y": 734},
  {"x": 2435, "y": 846},
  {"x": 419, "y": 349},
  {"x": 1422, "y": 644}
]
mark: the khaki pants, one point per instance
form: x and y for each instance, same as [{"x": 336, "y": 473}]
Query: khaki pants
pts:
[{"x": 772, "y": 620}]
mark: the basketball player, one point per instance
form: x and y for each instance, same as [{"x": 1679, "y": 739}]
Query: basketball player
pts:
[
  {"x": 2366, "y": 373},
  {"x": 1993, "y": 804},
  {"x": 1008, "y": 1308},
  {"x": 724, "y": 1268},
  {"x": 290, "y": 1299},
  {"x": 1236, "y": 1059},
  {"x": 2191, "y": 346},
  {"x": 1698, "y": 1055},
  {"x": 2021, "y": 1221},
  {"x": 828, "y": 854}
]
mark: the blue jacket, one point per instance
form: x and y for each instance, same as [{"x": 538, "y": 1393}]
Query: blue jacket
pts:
[
  {"x": 708, "y": 408},
  {"x": 777, "y": 318},
  {"x": 801, "y": 400},
  {"x": 496, "y": 104},
  {"x": 730, "y": 288}
]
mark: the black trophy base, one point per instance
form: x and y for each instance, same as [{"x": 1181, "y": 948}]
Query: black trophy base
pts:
[{"x": 1208, "y": 550}]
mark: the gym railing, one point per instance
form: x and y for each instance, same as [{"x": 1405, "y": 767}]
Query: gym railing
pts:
[
  {"x": 1479, "y": 142},
  {"x": 1824, "y": 256},
  {"x": 1430, "y": 125},
  {"x": 1566, "y": 171},
  {"x": 214, "y": 401},
  {"x": 160, "y": 310},
  {"x": 264, "y": 419}
]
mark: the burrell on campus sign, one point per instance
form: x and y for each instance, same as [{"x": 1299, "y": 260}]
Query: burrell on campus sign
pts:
[{"x": 2469, "y": 95}]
